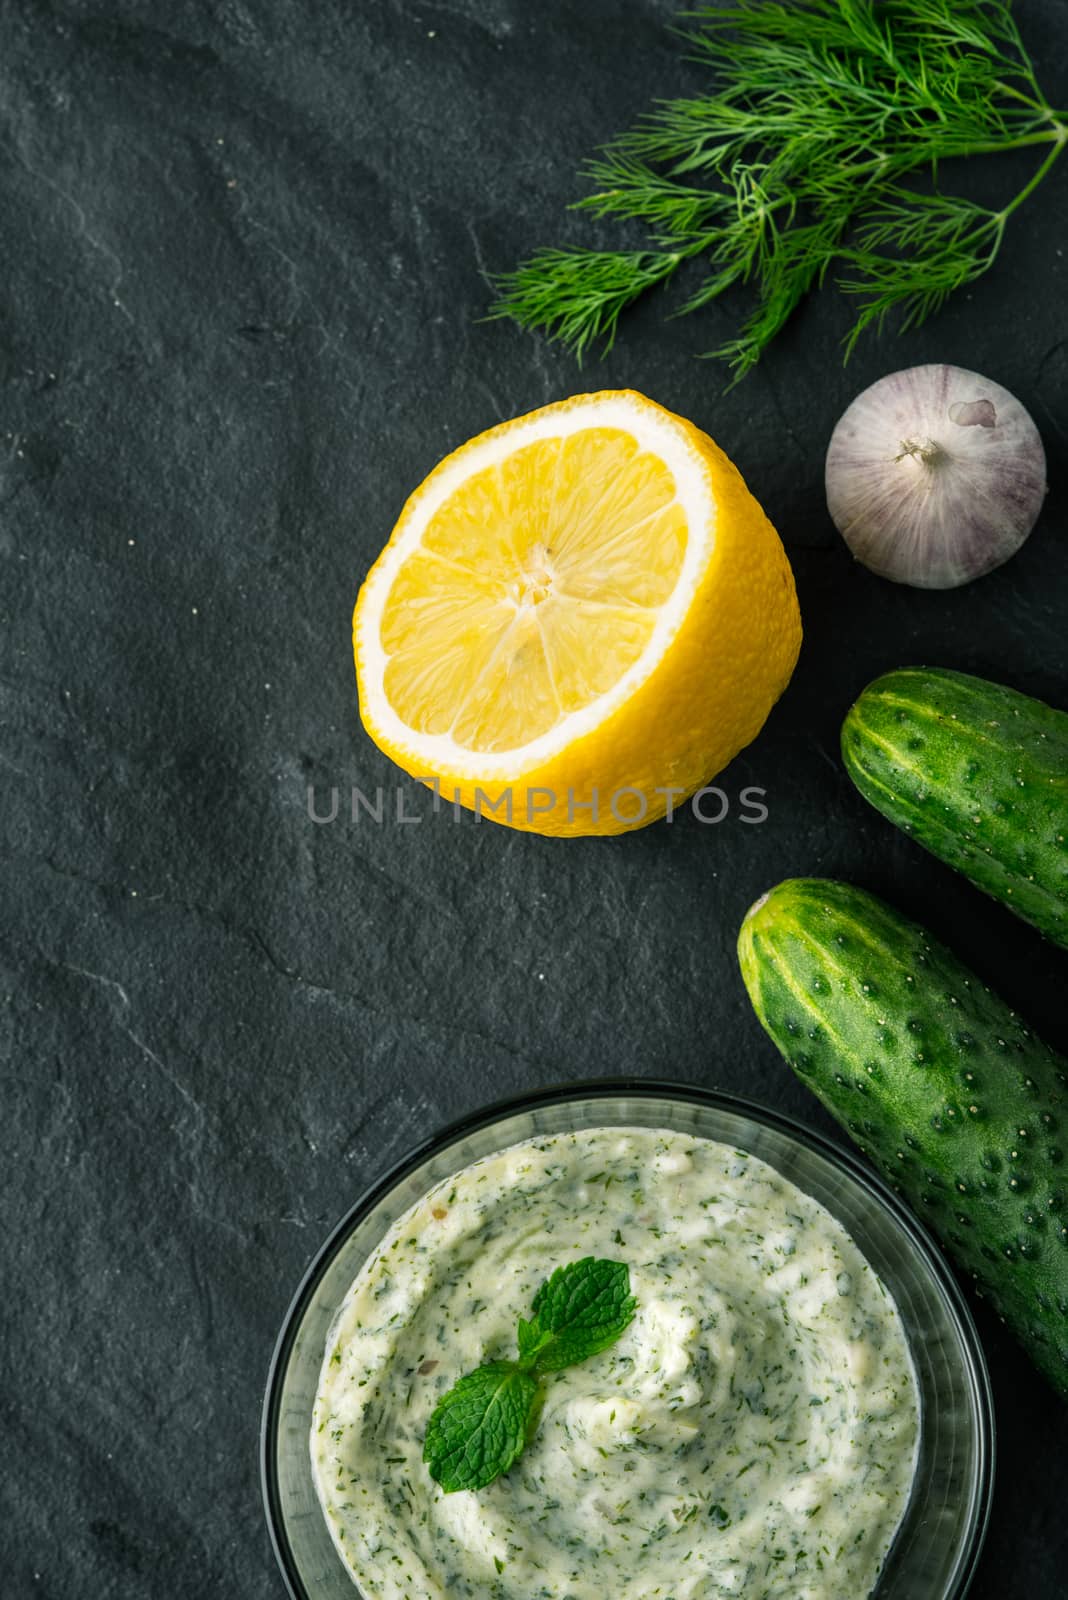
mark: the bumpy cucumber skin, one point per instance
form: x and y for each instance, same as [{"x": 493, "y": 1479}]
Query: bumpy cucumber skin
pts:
[
  {"x": 978, "y": 774},
  {"x": 964, "y": 1111}
]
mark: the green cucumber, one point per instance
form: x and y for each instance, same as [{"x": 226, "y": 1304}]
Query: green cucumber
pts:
[
  {"x": 937, "y": 1080},
  {"x": 978, "y": 774}
]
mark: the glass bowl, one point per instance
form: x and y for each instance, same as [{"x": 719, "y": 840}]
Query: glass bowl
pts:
[{"x": 937, "y": 1546}]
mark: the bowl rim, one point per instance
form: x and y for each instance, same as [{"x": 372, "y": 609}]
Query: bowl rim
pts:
[{"x": 611, "y": 1089}]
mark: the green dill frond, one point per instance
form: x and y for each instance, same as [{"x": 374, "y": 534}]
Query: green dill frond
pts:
[
  {"x": 793, "y": 269},
  {"x": 818, "y": 152},
  {"x": 577, "y": 296},
  {"x": 950, "y": 242},
  {"x": 629, "y": 187}
]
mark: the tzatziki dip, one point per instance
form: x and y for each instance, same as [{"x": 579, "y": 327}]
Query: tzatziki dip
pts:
[{"x": 752, "y": 1433}]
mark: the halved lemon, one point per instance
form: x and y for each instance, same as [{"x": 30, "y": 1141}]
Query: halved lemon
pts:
[{"x": 580, "y": 617}]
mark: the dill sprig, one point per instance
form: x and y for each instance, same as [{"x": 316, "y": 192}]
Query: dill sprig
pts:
[{"x": 820, "y": 148}]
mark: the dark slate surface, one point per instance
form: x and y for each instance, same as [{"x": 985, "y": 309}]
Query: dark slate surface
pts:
[{"x": 242, "y": 258}]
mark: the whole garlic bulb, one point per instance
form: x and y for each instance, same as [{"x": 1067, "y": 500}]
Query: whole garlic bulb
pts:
[{"x": 935, "y": 476}]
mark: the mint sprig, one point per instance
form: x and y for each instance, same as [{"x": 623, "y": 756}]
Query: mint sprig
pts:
[{"x": 479, "y": 1428}]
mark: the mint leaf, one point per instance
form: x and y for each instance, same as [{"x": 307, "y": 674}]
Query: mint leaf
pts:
[
  {"x": 578, "y": 1312},
  {"x": 480, "y": 1426}
]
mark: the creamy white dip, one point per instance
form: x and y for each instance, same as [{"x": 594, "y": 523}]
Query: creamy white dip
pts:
[{"x": 753, "y": 1432}]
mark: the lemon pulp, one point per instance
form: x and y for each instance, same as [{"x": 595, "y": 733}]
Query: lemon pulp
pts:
[{"x": 535, "y": 587}]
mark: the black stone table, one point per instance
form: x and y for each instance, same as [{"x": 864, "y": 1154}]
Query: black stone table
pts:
[{"x": 244, "y": 248}]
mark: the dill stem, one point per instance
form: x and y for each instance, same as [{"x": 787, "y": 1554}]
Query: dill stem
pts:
[
  {"x": 1017, "y": 94},
  {"x": 994, "y": 147},
  {"x": 1059, "y": 135}
]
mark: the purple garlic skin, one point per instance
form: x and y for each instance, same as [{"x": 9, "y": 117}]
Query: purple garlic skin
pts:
[{"x": 935, "y": 476}]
